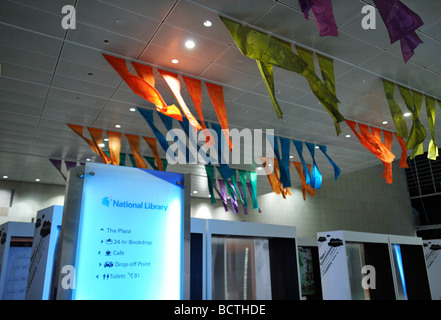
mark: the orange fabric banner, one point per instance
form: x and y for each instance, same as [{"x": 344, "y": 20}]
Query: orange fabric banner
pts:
[
  {"x": 217, "y": 99},
  {"x": 403, "y": 159},
  {"x": 369, "y": 141},
  {"x": 97, "y": 137},
  {"x": 92, "y": 144},
  {"x": 272, "y": 177},
  {"x": 114, "y": 146},
  {"x": 143, "y": 85},
  {"x": 175, "y": 86},
  {"x": 388, "y": 139},
  {"x": 305, "y": 188},
  {"x": 195, "y": 90},
  {"x": 134, "y": 145},
  {"x": 152, "y": 144}
]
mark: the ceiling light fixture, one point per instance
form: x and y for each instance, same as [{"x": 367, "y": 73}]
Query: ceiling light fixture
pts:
[
  {"x": 132, "y": 109},
  {"x": 317, "y": 147},
  {"x": 259, "y": 168},
  {"x": 38, "y": 180},
  {"x": 88, "y": 159},
  {"x": 101, "y": 145},
  {"x": 189, "y": 44},
  {"x": 194, "y": 192},
  {"x": 5, "y": 177},
  {"x": 291, "y": 157},
  {"x": 348, "y": 136},
  {"x": 208, "y": 23},
  {"x": 175, "y": 61},
  {"x": 407, "y": 114},
  {"x": 106, "y": 41},
  {"x": 117, "y": 126},
  {"x": 385, "y": 122}
]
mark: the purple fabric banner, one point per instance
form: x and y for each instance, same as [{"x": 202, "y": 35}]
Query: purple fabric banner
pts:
[
  {"x": 57, "y": 165},
  {"x": 234, "y": 199},
  {"x": 222, "y": 193},
  {"x": 401, "y": 23},
  {"x": 323, "y": 14},
  {"x": 244, "y": 205}
]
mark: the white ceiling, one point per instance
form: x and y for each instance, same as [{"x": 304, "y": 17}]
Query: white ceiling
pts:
[{"x": 45, "y": 79}]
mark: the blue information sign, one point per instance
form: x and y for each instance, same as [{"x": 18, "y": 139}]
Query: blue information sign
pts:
[{"x": 131, "y": 234}]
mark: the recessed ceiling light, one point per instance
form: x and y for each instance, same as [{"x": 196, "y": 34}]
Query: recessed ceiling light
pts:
[
  {"x": 348, "y": 136},
  {"x": 90, "y": 74},
  {"x": 269, "y": 164},
  {"x": 175, "y": 61},
  {"x": 38, "y": 180},
  {"x": 259, "y": 168},
  {"x": 189, "y": 44},
  {"x": 132, "y": 109},
  {"x": 407, "y": 114},
  {"x": 385, "y": 122},
  {"x": 106, "y": 41},
  {"x": 5, "y": 177},
  {"x": 291, "y": 157},
  {"x": 117, "y": 126},
  {"x": 317, "y": 147},
  {"x": 195, "y": 191},
  {"x": 106, "y": 139},
  {"x": 101, "y": 145},
  {"x": 208, "y": 23},
  {"x": 88, "y": 159}
]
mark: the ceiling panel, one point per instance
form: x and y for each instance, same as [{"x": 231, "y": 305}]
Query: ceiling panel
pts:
[{"x": 51, "y": 77}]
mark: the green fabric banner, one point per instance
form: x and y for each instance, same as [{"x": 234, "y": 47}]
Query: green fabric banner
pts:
[
  {"x": 253, "y": 182},
  {"x": 397, "y": 114},
  {"x": 417, "y": 135},
  {"x": 243, "y": 182},
  {"x": 326, "y": 66},
  {"x": 209, "y": 169},
  {"x": 275, "y": 52},
  {"x": 432, "y": 152}
]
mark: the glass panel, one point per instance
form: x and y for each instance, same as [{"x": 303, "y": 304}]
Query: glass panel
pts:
[
  {"x": 399, "y": 272},
  {"x": 240, "y": 268},
  {"x": 356, "y": 261},
  {"x": 17, "y": 268},
  {"x": 306, "y": 271}
]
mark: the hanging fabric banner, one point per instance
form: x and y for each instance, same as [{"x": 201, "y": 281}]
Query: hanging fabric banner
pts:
[
  {"x": 242, "y": 193},
  {"x": 326, "y": 66},
  {"x": 403, "y": 158},
  {"x": 299, "y": 148},
  {"x": 337, "y": 170},
  {"x": 223, "y": 193},
  {"x": 285, "y": 179},
  {"x": 143, "y": 85},
  {"x": 95, "y": 148},
  {"x": 57, "y": 165},
  {"x": 226, "y": 170},
  {"x": 153, "y": 147},
  {"x": 417, "y": 135},
  {"x": 148, "y": 117},
  {"x": 175, "y": 86},
  {"x": 134, "y": 145},
  {"x": 266, "y": 71},
  {"x": 397, "y": 114},
  {"x": 234, "y": 201},
  {"x": 302, "y": 174},
  {"x": 323, "y": 14},
  {"x": 195, "y": 90},
  {"x": 243, "y": 186},
  {"x": 252, "y": 187},
  {"x": 271, "y": 51},
  {"x": 373, "y": 143},
  {"x": 432, "y": 152},
  {"x": 216, "y": 94},
  {"x": 401, "y": 23},
  {"x": 97, "y": 137},
  {"x": 388, "y": 139},
  {"x": 209, "y": 169},
  {"x": 316, "y": 176},
  {"x": 114, "y": 146}
]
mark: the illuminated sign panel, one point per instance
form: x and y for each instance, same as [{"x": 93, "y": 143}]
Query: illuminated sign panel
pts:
[{"x": 130, "y": 234}]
